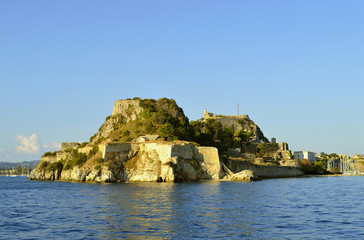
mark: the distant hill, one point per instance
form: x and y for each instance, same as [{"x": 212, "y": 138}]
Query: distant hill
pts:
[{"x": 9, "y": 165}]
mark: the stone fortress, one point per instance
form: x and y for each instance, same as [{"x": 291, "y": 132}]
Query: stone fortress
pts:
[
  {"x": 207, "y": 115},
  {"x": 151, "y": 159},
  {"x": 128, "y": 108},
  {"x": 238, "y": 122}
]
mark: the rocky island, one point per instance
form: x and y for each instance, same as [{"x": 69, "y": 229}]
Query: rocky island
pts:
[{"x": 153, "y": 141}]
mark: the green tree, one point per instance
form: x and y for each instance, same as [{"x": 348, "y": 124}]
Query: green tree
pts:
[
  {"x": 320, "y": 167},
  {"x": 17, "y": 170},
  {"x": 261, "y": 150},
  {"x": 25, "y": 170},
  {"x": 242, "y": 136},
  {"x": 324, "y": 156}
]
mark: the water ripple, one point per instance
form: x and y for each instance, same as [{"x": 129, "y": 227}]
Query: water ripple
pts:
[{"x": 302, "y": 208}]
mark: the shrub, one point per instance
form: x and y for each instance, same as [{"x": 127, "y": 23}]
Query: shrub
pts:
[
  {"x": 147, "y": 114},
  {"x": 166, "y": 131},
  {"x": 43, "y": 165},
  {"x": 68, "y": 166},
  {"x": 55, "y": 166},
  {"x": 99, "y": 140},
  {"x": 47, "y": 154},
  {"x": 99, "y": 160},
  {"x": 150, "y": 129},
  {"x": 320, "y": 167},
  {"x": 97, "y": 167},
  {"x": 94, "y": 150},
  {"x": 82, "y": 145},
  {"x": 307, "y": 167},
  {"x": 78, "y": 159},
  {"x": 125, "y": 133}
]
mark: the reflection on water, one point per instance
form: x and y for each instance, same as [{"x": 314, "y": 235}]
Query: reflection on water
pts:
[
  {"x": 158, "y": 209},
  {"x": 299, "y": 208}
]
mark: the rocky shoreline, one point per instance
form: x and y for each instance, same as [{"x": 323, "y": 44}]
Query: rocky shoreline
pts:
[
  {"x": 158, "y": 162},
  {"x": 119, "y": 152}
]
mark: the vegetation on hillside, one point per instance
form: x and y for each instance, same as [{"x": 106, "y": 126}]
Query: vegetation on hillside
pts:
[
  {"x": 266, "y": 149},
  {"x": 162, "y": 117},
  {"x": 165, "y": 118},
  {"x": 212, "y": 133}
]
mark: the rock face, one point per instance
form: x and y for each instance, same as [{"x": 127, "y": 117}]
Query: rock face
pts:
[
  {"x": 147, "y": 162},
  {"x": 246, "y": 176},
  {"x": 132, "y": 118},
  {"x": 68, "y": 145},
  {"x": 129, "y": 109}
]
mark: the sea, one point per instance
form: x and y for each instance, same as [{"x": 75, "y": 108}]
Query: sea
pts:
[{"x": 287, "y": 208}]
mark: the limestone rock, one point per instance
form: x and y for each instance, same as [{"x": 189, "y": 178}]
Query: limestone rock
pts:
[
  {"x": 129, "y": 109},
  {"x": 246, "y": 176},
  {"x": 135, "y": 162}
]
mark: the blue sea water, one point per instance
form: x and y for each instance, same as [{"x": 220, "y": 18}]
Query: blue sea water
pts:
[{"x": 291, "y": 208}]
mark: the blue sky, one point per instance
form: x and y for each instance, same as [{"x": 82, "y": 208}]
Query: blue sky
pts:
[{"x": 295, "y": 67}]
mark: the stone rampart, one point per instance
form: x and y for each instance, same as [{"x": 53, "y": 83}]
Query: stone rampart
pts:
[
  {"x": 129, "y": 109},
  {"x": 154, "y": 161},
  {"x": 262, "y": 171},
  {"x": 210, "y": 157},
  {"x": 208, "y": 115},
  {"x": 109, "y": 150},
  {"x": 283, "y": 146},
  {"x": 68, "y": 145}
]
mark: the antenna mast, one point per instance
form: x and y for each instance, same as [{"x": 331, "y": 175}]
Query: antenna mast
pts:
[{"x": 238, "y": 107}]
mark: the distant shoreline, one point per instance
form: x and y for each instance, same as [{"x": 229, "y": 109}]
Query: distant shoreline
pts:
[{"x": 332, "y": 175}]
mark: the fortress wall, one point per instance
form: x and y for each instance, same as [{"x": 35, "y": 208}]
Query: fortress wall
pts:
[
  {"x": 263, "y": 171},
  {"x": 68, "y": 145},
  {"x": 130, "y": 107},
  {"x": 210, "y": 157},
  {"x": 110, "y": 149},
  {"x": 242, "y": 116}
]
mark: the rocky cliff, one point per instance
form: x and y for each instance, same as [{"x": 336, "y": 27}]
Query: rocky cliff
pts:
[
  {"x": 145, "y": 140},
  {"x": 150, "y": 162},
  {"x": 133, "y": 118}
]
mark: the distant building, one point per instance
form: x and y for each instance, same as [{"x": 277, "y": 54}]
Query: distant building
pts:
[
  {"x": 318, "y": 157},
  {"x": 274, "y": 140},
  {"x": 310, "y": 156},
  {"x": 341, "y": 164},
  {"x": 283, "y": 146}
]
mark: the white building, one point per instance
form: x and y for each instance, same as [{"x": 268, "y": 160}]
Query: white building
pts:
[{"x": 310, "y": 156}]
